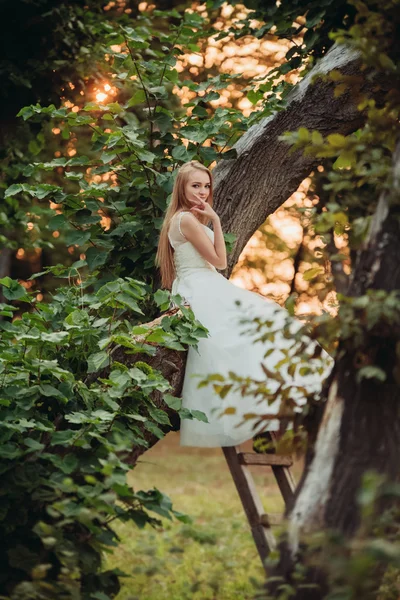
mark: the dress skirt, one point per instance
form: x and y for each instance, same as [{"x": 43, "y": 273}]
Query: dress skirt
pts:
[{"x": 221, "y": 306}]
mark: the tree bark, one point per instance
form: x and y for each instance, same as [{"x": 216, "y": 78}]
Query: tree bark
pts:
[{"x": 360, "y": 428}]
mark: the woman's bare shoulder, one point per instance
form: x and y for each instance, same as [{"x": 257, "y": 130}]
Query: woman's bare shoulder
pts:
[{"x": 188, "y": 220}]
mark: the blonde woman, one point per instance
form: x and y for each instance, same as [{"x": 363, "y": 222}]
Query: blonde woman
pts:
[{"x": 189, "y": 256}]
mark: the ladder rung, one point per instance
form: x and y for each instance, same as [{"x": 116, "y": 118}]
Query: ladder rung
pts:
[
  {"x": 252, "y": 458},
  {"x": 271, "y": 519}
]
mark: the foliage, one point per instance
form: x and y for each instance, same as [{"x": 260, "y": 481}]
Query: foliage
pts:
[
  {"x": 305, "y": 24},
  {"x": 113, "y": 199},
  {"x": 71, "y": 413},
  {"x": 46, "y": 45},
  {"x": 67, "y": 432}
]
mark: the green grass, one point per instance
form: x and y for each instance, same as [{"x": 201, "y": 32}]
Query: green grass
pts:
[{"x": 212, "y": 558}]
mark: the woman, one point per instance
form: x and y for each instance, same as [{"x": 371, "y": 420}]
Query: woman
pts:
[{"x": 189, "y": 254}]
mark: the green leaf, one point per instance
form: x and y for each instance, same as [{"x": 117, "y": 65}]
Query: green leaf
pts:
[
  {"x": 312, "y": 273},
  {"x": 57, "y": 222},
  {"x": 63, "y": 438},
  {"x": 337, "y": 140},
  {"x": 199, "y": 415},
  {"x": 10, "y": 451},
  {"x": 138, "y": 98},
  {"x": 158, "y": 91},
  {"x": 77, "y": 238},
  {"x": 128, "y": 301},
  {"x": 254, "y": 96},
  {"x": 303, "y": 134},
  {"x": 345, "y": 160},
  {"x": 33, "y": 444},
  {"x": 97, "y": 361},
  {"x": 12, "y": 290},
  {"x": 96, "y": 257},
  {"x": 316, "y": 138},
  {"x": 158, "y": 415},
  {"x": 56, "y": 337},
  {"x": 69, "y": 463},
  {"x": 14, "y": 189},
  {"x": 152, "y": 427},
  {"x": 145, "y": 155},
  {"x": 162, "y": 299},
  {"x": 180, "y": 153},
  {"x": 51, "y": 392},
  {"x": 229, "y": 154},
  {"x": 172, "y": 401}
]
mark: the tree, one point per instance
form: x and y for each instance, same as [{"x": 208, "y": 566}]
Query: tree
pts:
[{"x": 322, "y": 116}]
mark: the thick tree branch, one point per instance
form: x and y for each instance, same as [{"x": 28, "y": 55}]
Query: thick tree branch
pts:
[{"x": 265, "y": 173}]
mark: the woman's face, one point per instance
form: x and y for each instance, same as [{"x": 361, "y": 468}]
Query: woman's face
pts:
[{"x": 197, "y": 186}]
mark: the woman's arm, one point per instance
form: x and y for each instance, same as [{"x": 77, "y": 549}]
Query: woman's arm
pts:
[{"x": 195, "y": 234}]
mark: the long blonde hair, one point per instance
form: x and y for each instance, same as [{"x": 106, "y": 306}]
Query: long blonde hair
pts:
[{"x": 165, "y": 252}]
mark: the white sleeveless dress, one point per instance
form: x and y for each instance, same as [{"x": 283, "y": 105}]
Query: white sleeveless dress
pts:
[{"x": 213, "y": 300}]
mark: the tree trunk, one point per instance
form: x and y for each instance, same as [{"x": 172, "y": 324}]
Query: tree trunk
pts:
[
  {"x": 360, "y": 428},
  {"x": 5, "y": 268}
]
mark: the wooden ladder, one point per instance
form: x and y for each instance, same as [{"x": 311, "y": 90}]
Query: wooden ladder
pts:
[{"x": 260, "y": 522}]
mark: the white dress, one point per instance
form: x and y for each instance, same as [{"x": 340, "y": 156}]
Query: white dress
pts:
[{"x": 213, "y": 300}]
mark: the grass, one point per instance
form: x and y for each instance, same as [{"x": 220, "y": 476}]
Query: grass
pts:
[{"x": 212, "y": 558}]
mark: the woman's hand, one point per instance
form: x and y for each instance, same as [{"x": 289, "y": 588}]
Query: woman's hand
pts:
[{"x": 203, "y": 208}]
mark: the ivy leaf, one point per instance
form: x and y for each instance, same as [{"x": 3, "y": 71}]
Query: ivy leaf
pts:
[
  {"x": 138, "y": 98},
  {"x": 33, "y": 444},
  {"x": 63, "y": 438},
  {"x": 158, "y": 91},
  {"x": 229, "y": 154},
  {"x": 209, "y": 154},
  {"x": 195, "y": 134},
  {"x": 145, "y": 155}
]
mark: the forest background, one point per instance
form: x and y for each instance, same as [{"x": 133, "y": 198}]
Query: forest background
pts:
[{"x": 101, "y": 103}]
